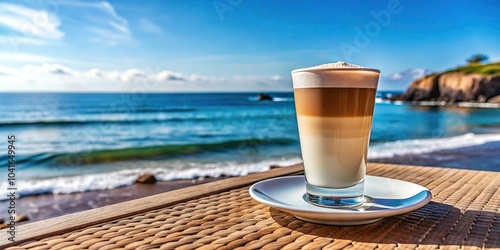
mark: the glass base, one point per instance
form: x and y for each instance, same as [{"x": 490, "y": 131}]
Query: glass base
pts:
[{"x": 335, "y": 197}]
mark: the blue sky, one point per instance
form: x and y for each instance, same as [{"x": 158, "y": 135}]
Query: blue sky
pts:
[{"x": 232, "y": 45}]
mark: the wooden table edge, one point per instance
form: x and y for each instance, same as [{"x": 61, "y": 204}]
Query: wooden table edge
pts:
[
  {"x": 66, "y": 223},
  {"x": 75, "y": 221}
]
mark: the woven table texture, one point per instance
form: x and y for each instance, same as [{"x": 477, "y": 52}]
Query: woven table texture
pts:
[{"x": 464, "y": 213}]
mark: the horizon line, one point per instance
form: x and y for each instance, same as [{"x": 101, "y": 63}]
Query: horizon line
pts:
[{"x": 159, "y": 92}]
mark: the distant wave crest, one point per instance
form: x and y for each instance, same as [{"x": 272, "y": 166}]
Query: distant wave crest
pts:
[
  {"x": 107, "y": 121},
  {"x": 137, "y": 153},
  {"x": 142, "y": 110},
  {"x": 283, "y": 99},
  {"x": 419, "y": 146},
  {"x": 111, "y": 180},
  {"x": 275, "y": 99}
]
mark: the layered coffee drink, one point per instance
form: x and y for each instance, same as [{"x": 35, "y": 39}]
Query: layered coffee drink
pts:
[{"x": 334, "y": 105}]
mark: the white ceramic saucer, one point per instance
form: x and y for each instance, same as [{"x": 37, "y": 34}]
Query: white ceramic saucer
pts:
[{"x": 384, "y": 197}]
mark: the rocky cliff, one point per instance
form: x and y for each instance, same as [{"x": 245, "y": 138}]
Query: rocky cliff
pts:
[{"x": 454, "y": 87}]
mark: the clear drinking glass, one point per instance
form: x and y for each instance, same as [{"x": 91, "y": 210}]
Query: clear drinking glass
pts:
[{"x": 334, "y": 113}]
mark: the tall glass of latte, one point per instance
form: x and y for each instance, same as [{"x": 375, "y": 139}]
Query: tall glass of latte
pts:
[{"x": 334, "y": 104}]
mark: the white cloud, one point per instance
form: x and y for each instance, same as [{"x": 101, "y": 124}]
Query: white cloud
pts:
[
  {"x": 15, "y": 40},
  {"x": 28, "y": 25},
  {"x": 419, "y": 73},
  {"x": 94, "y": 73},
  {"x": 52, "y": 76},
  {"x": 246, "y": 78},
  {"x": 103, "y": 21},
  {"x": 408, "y": 75},
  {"x": 396, "y": 76},
  {"x": 149, "y": 26},
  {"x": 133, "y": 75},
  {"x": 97, "y": 21},
  {"x": 98, "y": 73},
  {"x": 120, "y": 27},
  {"x": 201, "y": 78},
  {"x": 198, "y": 78},
  {"x": 59, "y": 69},
  {"x": 47, "y": 68},
  {"x": 7, "y": 71},
  {"x": 113, "y": 75},
  {"x": 276, "y": 78},
  {"x": 168, "y": 75},
  {"x": 24, "y": 57},
  {"x": 32, "y": 69}
]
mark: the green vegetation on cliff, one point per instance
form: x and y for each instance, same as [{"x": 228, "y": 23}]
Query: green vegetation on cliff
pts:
[
  {"x": 474, "y": 82},
  {"x": 483, "y": 69}
]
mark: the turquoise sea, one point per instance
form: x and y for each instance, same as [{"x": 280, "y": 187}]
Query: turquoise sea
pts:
[{"x": 67, "y": 143}]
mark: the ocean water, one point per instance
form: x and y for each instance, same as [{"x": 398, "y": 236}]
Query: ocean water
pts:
[{"x": 68, "y": 143}]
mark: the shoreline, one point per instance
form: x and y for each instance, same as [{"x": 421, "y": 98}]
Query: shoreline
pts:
[
  {"x": 486, "y": 105},
  {"x": 479, "y": 157},
  {"x": 45, "y": 206}
]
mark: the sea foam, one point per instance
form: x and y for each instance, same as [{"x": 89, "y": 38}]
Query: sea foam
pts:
[
  {"x": 121, "y": 178},
  {"x": 419, "y": 146},
  {"x": 336, "y": 65}
]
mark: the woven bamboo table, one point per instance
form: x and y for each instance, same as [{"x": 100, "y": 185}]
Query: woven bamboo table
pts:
[{"x": 464, "y": 213}]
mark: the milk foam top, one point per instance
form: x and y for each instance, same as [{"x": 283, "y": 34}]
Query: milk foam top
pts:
[
  {"x": 336, "y": 65},
  {"x": 335, "y": 75}
]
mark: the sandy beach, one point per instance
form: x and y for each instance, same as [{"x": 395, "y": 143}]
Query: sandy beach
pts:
[{"x": 40, "y": 207}]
